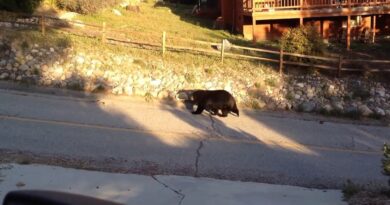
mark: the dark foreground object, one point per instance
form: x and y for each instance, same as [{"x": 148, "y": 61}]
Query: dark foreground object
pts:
[
  {"x": 213, "y": 101},
  {"x": 32, "y": 197}
]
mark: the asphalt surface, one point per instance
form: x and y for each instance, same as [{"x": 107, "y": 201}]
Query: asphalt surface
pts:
[{"x": 122, "y": 134}]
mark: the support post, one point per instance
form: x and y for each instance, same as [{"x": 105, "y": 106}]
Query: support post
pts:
[
  {"x": 340, "y": 66},
  {"x": 348, "y": 33},
  {"x": 104, "y": 32},
  {"x": 373, "y": 27},
  {"x": 164, "y": 34},
  {"x": 222, "y": 50},
  {"x": 301, "y": 21},
  {"x": 253, "y": 29},
  {"x": 43, "y": 25},
  {"x": 281, "y": 62}
]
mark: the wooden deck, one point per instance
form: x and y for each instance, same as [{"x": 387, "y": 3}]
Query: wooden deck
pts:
[{"x": 289, "y": 9}]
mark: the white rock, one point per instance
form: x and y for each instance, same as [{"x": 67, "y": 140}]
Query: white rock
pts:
[
  {"x": 9, "y": 67},
  {"x": 29, "y": 57},
  {"x": 310, "y": 92},
  {"x": 365, "y": 110},
  {"x": 228, "y": 88},
  {"x": 380, "y": 111},
  {"x": 59, "y": 71},
  {"x": 118, "y": 90},
  {"x": 4, "y": 76},
  {"x": 19, "y": 78},
  {"x": 155, "y": 82},
  {"x": 89, "y": 72},
  {"x": 129, "y": 90},
  {"x": 141, "y": 81},
  {"x": 327, "y": 108},
  {"x": 52, "y": 50},
  {"x": 80, "y": 59},
  {"x": 208, "y": 85},
  {"x": 116, "y": 12},
  {"x": 24, "y": 67},
  {"x": 307, "y": 106},
  {"x": 301, "y": 85},
  {"x": 381, "y": 92},
  {"x": 124, "y": 4},
  {"x": 387, "y": 113},
  {"x": 338, "y": 106},
  {"x": 331, "y": 89}
]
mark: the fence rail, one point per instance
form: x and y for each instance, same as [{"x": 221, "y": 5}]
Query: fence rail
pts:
[{"x": 338, "y": 64}]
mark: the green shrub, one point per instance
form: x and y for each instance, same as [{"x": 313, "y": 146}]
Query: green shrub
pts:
[
  {"x": 303, "y": 40},
  {"x": 386, "y": 160},
  {"x": 350, "y": 189},
  {"x": 85, "y": 6},
  {"x": 27, "y": 6}
]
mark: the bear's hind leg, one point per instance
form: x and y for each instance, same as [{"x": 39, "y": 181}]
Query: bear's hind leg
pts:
[{"x": 199, "y": 110}]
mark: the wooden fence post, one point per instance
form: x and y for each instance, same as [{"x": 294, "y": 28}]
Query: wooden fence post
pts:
[
  {"x": 43, "y": 26},
  {"x": 281, "y": 62},
  {"x": 104, "y": 32},
  {"x": 340, "y": 66},
  {"x": 163, "y": 43},
  {"x": 222, "y": 50}
]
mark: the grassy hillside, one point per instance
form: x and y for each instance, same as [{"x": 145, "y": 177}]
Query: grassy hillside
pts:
[{"x": 154, "y": 18}]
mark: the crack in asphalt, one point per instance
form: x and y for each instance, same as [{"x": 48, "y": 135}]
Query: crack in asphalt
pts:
[
  {"x": 182, "y": 196},
  {"x": 197, "y": 158},
  {"x": 214, "y": 128}
]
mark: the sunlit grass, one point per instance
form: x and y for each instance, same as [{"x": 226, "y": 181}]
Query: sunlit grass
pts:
[{"x": 176, "y": 20}]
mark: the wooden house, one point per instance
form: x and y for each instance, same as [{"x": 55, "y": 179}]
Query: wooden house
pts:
[{"x": 341, "y": 19}]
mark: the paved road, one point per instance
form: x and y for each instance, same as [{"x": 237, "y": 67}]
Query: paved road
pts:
[{"x": 128, "y": 135}]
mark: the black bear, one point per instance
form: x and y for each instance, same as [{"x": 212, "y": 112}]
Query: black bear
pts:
[{"x": 213, "y": 101}]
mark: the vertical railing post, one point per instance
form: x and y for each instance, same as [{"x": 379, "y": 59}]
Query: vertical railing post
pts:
[
  {"x": 222, "y": 50},
  {"x": 281, "y": 62},
  {"x": 104, "y": 32},
  {"x": 348, "y": 37},
  {"x": 43, "y": 26},
  {"x": 340, "y": 66},
  {"x": 373, "y": 28},
  {"x": 164, "y": 35}
]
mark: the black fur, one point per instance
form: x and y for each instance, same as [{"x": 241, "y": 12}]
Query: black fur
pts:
[{"x": 213, "y": 101}]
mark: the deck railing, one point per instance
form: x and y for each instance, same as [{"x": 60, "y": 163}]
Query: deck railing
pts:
[{"x": 267, "y": 5}]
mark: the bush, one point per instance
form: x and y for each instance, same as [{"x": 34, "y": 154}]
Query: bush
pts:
[
  {"x": 27, "y": 6},
  {"x": 85, "y": 6},
  {"x": 303, "y": 40},
  {"x": 350, "y": 189},
  {"x": 386, "y": 161}
]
